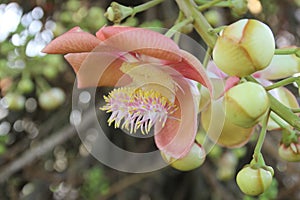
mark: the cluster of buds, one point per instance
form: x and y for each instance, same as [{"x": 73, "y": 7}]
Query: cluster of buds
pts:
[{"x": 244, "y": 51}]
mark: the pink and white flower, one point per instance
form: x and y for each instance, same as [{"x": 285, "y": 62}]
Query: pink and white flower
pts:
[{"x": 153, "y": 80}]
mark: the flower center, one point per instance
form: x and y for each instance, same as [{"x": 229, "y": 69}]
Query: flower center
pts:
[{"x": 133, "y": 108}]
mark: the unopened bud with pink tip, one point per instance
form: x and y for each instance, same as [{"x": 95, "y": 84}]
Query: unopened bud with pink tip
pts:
[{"x": 290, "y": 153}]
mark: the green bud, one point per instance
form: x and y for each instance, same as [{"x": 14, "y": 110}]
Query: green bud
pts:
[
  {"x": 244, "y": 47},
  {"x": 51, "y": 99},
  {"x": 117, "y": 12},
  {"x": 239, "y": 7},
  {"x": 25, "y": 86},
  {"x": 246, "y": 104},
  {"x": 231, "y": 136},
  {"x": 192, "y": 160},
  {"x": 213, "y": 17},
  {"x": 50, "y": 72},
  {"x": 14, "y": 101},
  {"x": 254, "y": 181},
  {"x": 290, "y": 153}
]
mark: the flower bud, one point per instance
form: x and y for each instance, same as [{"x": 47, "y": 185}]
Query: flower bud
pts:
[
  {"x": 244, "y": 47},
  {"x": 51, "y": 99},
  {"x": 246, "y": 103},
  {"x": 50, "y": 72},
  {"x": 213, "y": 17},
  {"x": 25, "y": 86},
  {"x": 239, "y": 7},
  {"x": 281, "y": 66},
  {"x": 117, "y": 12},
  {"x": 14, "y": 101},
  {"x": 192, "y": 160},
  {"x": 290, "y": 153},
  {"x": 231, "y": 135},
  {"x": 254, "y": 181}
]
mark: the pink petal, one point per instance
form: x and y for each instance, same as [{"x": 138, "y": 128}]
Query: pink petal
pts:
[
  {"x": 76, "y": 60},
  {"x": 108, "y": 31},
  {"x": 281, "y": 66},
  {"x": 190, "y": 67},
  {"x": 215, "y": 71},
  {"x": 231, "y": 81},
  {"x": 140, "y": 40},
  {"x": 73, "y": 41},
  {"x": 178, "y": 135},
  {"x": 97, "y": 69}
]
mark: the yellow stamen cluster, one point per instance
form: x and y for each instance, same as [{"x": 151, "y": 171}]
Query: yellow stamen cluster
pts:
[{"x": 135, "y": 109}]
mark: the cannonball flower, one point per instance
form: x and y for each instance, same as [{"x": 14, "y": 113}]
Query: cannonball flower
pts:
[
  {"x": 153, "y": 80},
  {"x": 244, "y": 47}
]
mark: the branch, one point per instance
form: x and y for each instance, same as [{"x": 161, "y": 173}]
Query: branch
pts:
[
  {"x": 57, "y": 138},
  {"x": 125, "y": 183},
  {"x": 42, "y": 148}
]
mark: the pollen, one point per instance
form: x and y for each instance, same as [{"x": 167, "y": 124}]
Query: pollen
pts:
[{"x": 134, "y": 109}]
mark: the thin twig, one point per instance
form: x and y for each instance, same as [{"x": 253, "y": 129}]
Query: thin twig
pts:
[
  {"x": 42, "y": 148},
  {"x": 125, "y": 183}
]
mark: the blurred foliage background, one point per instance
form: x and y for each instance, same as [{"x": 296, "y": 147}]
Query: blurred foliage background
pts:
[{"x": 42, "y": 157}]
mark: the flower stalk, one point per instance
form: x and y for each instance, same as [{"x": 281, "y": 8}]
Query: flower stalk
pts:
[
  {"x": 284, "y": 112},
  {"x": 117, "y": 12},
  {"x": 178, "y": 26},
  {"x": 200, "y": 23},
  {"x": 286, "y": 51},
  {"x": 296, "y": 110},
  {"x": 145, "y": 6},
  {"x": 208, "y": 5},
  {"x": 283, "y": 82},
  {"x": 258, "y": 159}
]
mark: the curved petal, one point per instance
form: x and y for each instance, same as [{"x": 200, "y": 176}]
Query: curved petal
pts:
[
  {"x": 214, "y": 71},
  {"x": 230, "y": 82},
  {"x": 76, "y": 60},
  {"x": 140, "y": 40},
  {"x": 73, "y": 41},
  {"x": 107, "y": 31},
  {"x": 178, "y": 135},
  {"x": 97, "y": 69},
  {"x": 190, "y": 67},
  {"x": 281, "y": 66}
]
